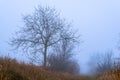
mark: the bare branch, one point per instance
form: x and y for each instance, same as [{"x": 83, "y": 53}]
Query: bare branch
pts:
[{"x": 42, "y": 29}]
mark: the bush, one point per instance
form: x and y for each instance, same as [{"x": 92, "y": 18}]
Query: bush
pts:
[{"x": 56, "y": 63}]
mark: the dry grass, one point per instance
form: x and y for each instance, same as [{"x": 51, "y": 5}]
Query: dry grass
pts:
[
  {"x": 10, "y": 69},
  {"x": 111, "y": 75}
]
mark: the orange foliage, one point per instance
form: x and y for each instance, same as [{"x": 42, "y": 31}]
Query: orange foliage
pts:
[
  {"x": 10, "y": 69},
  {"x": 111, "y": 75}
]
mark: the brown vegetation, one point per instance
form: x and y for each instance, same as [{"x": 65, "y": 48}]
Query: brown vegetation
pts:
[
  {"x": 111, "y": 75},
  {"x": 10, "y": 69}
]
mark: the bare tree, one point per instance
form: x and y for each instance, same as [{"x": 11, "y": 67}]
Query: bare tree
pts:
[
  {"x": 61, "y": 59},
  {"x": 102, "y": 62},
  {"x": 42, "y": 29}
]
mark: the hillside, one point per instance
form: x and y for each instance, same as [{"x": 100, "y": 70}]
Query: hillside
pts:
[{"x": 10, "y": 69}]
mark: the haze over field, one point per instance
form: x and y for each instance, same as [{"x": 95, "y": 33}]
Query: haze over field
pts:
[{"x": 96, "y": 20}]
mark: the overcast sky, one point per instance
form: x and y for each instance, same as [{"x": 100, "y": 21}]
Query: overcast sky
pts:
[{"x": 98, "y": 22}]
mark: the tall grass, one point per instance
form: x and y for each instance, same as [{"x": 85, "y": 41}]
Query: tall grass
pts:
[
  {"x": 10, "y": 69},
  {"x": 111, "y": 75}
]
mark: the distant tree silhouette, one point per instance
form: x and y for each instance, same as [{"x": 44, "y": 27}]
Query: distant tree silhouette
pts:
[
  {"x": 102, "y": 63},
  {"x": 61, "y": 59}
]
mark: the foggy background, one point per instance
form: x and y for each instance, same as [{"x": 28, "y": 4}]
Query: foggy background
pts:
[{"x": 97, "y": 21}]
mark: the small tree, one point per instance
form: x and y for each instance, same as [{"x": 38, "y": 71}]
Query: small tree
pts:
[
  {"x": 102, "y": 62},
  {"x": 42, "y": 29},
  {"x": 62, "y": 59}
]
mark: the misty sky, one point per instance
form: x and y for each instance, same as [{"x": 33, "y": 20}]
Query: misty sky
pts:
[{"x": 98, "y": 22}]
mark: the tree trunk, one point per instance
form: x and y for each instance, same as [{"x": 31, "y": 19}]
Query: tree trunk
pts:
[{"x": 45, "y": 56}]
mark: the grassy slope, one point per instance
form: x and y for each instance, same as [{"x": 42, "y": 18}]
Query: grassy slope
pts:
[{"x": 12, "y": 70}]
